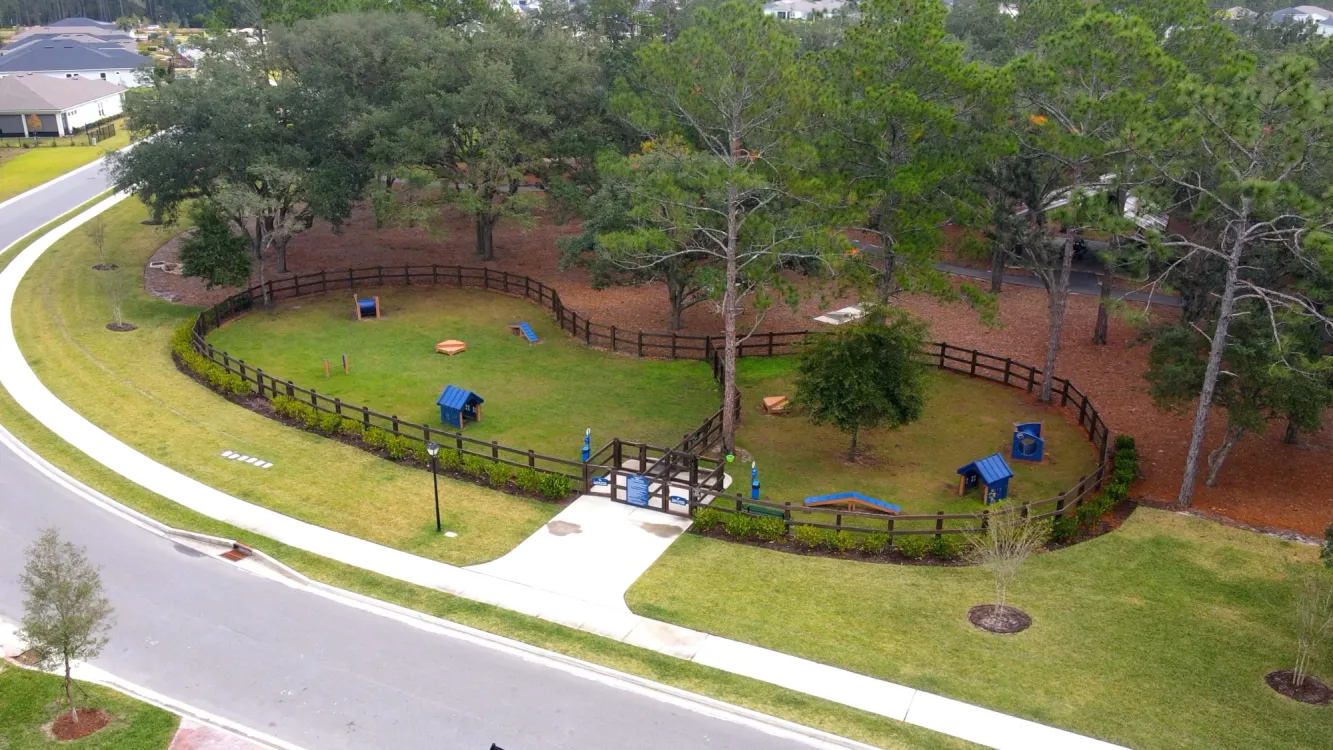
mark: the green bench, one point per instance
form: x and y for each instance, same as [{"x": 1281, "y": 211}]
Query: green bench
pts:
[{"x": 763, "y": 510}]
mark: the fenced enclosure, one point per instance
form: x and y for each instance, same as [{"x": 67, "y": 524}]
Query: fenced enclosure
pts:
[{"x": 686, "y": 467}]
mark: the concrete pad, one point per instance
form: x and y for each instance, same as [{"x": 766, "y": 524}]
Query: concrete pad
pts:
[
  {"x": 805, "y": 676},
  {"x": 666, "y": 638},
  {"x": 994, "y": 729},
  {"x": 592, "y": 551}
]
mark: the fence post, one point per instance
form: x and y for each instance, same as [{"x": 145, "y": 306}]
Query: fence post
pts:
[
  {"x": 395, "y": 424},
  {"x": 939, "y": 523},
  {"x": 972, "y": 370},
  {"x": 314, "y": 400},
  {"x": 458, "y": 272},
  {"x": 291, "y": 389},
  {"x": 1032, "y": 377},
  {"x": 890, "y": 530},
  {"x": 259, "y": 375},
  {"x": 296, "y": 283},
  {"x": 587, "y": 481},
  {"x": 587, "y": 331},
  {"x": 1064, "y": 394},
  {"x": 338, "y": 406},
  {"x": 323, "y": 281},
  {"x": 1082, "y": 410},
  {"x": 532, "y": 457},
  {"x": 1007, "y": 363},
  {"x": 770, "y": 343},
  {"x": 365, "y": 417},
  {"x": 613, "y": 339},
  {"x": 351, "y": 279},
  {"x": 943, "y": 347},
  {"x": 407, "y": 274},
  {"x": 380, "y": 271},
  {"x": 616, "y": 458},
  {"x": 640, "y": 343},
  {"x": 673, "y": 344},
  {"x": 985, "y": 519}
]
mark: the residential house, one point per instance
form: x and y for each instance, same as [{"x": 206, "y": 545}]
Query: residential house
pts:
[
  {"x": 36, "y": 104},
  {"x": 72, "y": 59},
  {"x": 1237, "y": 13},
  {"x": 1322, "y": 18},
  {"x": 803, "y": 10}
]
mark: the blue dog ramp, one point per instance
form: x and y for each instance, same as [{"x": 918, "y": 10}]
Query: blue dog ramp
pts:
[{"x": 525, "y": 330}]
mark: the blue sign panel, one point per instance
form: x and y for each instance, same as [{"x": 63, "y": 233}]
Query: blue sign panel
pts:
[{"x": 636, "y": 490}]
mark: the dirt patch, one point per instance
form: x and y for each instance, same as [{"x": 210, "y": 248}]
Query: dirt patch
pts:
[
  {"x": 1312, "y": 691},
  {"x": 121, "y": 327},
  {"x": 162, "y": 278},
  {"x": 1265, "y": 483},
  {"x": 64, "y": 728},
  {"x": 563, "y": 528},
  {"x": 1001, "y": 620},
  {"x": 105, "y": 266},
  {"x": 663, "y": 530}
]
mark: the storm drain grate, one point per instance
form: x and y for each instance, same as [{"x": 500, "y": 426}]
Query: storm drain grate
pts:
[{"x": 236, "y": 553}]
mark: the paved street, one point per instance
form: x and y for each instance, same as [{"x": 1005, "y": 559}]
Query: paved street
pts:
[{"x": 302, "y": 667}]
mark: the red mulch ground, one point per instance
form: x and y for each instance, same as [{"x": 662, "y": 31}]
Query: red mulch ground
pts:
[
  {"x": 64, "y": 728},
  {"x": 1264, "y": 483}
]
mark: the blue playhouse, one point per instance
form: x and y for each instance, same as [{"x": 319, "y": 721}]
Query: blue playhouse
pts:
[
  {"x": 991, "y": 474},
  {"x": 852, "y": 501},
  {"x": 458, "y": 405}
]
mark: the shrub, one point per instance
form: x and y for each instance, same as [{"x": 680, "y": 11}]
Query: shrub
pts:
[
  {"x": 914, "y": 547},
  {"x": 707, "y": 519},
  {"x": 874, "y": 544},
  {"x": 476, "y": 466},
  {"x": 738, "y": 525},
  {"x": 312, "y": 418},
  {"x": 528, "y": 480},
  {"x": 949, "y": 547},
  {"x": 813, "y": 537},
  {"x": 556, "y": 487},
  {"x": 287, "y": 407},
  {"x": 398, "y": 447},
  {"x": 352, "y": 428},
  {"x": 330, "y": 424},
  {"x": 215, "y": 375},
  {"x": 1063, "y": 528},
  {"x": 377, "y": 438},
  {"x": 844, "y": 541},
  {"x": 1088, "y": 513},
  {"x": 498, "y": 474},
  {"x": 1124, "y": 442},
  {"x": 420, "y": 453},
  {"x": 1326, "y": 552},
  {"x": 1124, "y": 474},
  {"x": 1116, "y": 491},
  {"x": 768, "y": 529},
  {"x": 450, "y": 460}
]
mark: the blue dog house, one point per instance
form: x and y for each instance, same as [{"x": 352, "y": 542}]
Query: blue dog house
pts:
[
  {"x": 459, "y": 404},
  {"x": 1028, "y": 444},
  {"x": 991, "y": 473}
]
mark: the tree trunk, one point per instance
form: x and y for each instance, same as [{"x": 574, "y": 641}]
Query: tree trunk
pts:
[
  {"x": 485, "y": 236},
  {"x": 1058, "y": 300},
  {"x": 1218, "y": 348},
  {"x": 280, "y": 244},
  {"x": 851, "y": 452},
  {"x": 886, "y": 282},
  {"x": 1292, "y": 434},
  {"x": 1102, "y": 329},
  {"x": 69, "y": 692},
  {"x": 997, "y": 267},
  {"x": 1219, "y": 454}
]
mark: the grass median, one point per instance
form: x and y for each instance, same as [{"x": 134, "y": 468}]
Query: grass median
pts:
[
  {"x": 753, "y": 694},
  {"x": 30, "y": 701}
]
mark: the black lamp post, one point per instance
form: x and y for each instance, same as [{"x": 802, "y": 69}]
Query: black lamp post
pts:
[{"x": 433, "y": 448}]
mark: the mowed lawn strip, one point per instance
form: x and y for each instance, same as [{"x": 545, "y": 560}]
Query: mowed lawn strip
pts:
[
  {"x": 760, "y": 696},
  {"x": 29, "y": 700},
  {"x": 127, "y": 384},
  {"x": 24, "y": 169},
  {"x": 913, "y": 466},
  {"x": 1155, "y": 636},
  {"x": 538, "y": 396}
]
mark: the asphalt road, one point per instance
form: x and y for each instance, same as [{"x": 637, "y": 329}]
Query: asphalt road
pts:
[{"x": 304, "y": 668}]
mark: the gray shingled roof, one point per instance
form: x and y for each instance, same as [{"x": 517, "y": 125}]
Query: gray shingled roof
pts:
[
  {"x": 24, "y": 94},
  {"x": 82, "y": 21},
  {"x": 99, "y": 41},
  {"x": 67, "y": 55}
]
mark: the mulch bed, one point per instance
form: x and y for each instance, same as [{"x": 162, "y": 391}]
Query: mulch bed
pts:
[
  {"x": 1312, "y": 691},
  {"x": 1004, "y": 621},
  {"x": 1265, "y": 483},
  {"x": 64, "y": 728}
]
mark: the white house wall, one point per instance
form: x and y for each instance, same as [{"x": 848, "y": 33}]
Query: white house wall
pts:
[
  {"x": 89, "y": 112},
  {"x": 124, "y": 77}
]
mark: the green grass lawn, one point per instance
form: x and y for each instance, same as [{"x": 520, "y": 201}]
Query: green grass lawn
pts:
[
  {"x": 914, "y": 465},
  {"x": 760, "y": 696},
  {"x": 30, "y": 699},
  {"x": 127, "y": 384},
  {"x": 1155, "y": 636},
  {"x": 538, "y": 396},
  {"x": 29, "y": 168}
]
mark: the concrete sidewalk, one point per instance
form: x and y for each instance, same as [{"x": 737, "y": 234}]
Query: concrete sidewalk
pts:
[{"x": 962, "y": 720}]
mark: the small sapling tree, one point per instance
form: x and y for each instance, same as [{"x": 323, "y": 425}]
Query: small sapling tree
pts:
[
  {"x": 864, "y": 375},
  {"x": 95, "y": 230},
  {"x": 1011, "y": 537},
  {"x": 115, "y": 287},
  {"x": 1314, "y": 624},
  {"x": 65, "y": 615}
]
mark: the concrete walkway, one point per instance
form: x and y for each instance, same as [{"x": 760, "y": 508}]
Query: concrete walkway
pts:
[
  {"x": 593, "y": 551},
  {"x": 962, "y": 720}
]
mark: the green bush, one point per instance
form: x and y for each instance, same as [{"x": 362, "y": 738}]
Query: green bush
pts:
[
  {"x": 218, "y": 378},
  {"x": 398, "y": 447},
  {"x": 312, "y": 418},
  {"x": 476, "y": 466},
  {"x": 377, "y": 438},
  {"x": 845, "y": 541},
  {"x": 768, "y": 529},
  {"x": 1116, "y": 491},
  {"x": 1063, "y": 528},
  {"x": 352, "y": 428},
  {"x": 498, "y": 474},
  {"x": 1326, "y": 552},
  {"x": 1088, "y": 513},
  {"x": 556, "y": 487},
  {"x": 874, "y": 544},
  {"x": 1124, "y": 474},
  {"x": 420, "y": 453},
  {"x": 528, "y": 480},
  {"x": 915, "y": 547},
  {"x": 707, "y": 519},
  {"x": 813, "y": 537},
  {"x": 1124, "y": 442},
  {"x": 738, "y": 525},
  {"x": 450, "y": 460},
  {"x": 331, "y": 424},
  {"x": 949, "y": 547},
  {"x": 287, "y": 407}
]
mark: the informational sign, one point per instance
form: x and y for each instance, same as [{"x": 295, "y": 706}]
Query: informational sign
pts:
[{"x": 636, "y": 490}]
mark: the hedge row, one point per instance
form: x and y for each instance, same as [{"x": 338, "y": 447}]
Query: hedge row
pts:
[
  {"x": 216, "y": 375},
  {"x": 398, "y": 447},
  {"x": 949, "y": 547},
  {"x": 1126, "y": 463}
]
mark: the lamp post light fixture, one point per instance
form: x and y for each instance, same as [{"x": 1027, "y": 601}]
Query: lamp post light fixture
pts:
[{"x": 433, "y": 450}]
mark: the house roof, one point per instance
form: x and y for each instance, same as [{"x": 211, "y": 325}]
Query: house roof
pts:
[
  {"x": 99, "y": 41},
  {"x": 456, "y": 398},
  {"x": 68, "y": 55},
  {"x": 1301, "y": 12},
  {"x": 82, "y": 21},
  {"x": 805, "y": 6},
  {"x": 992, "y": 468},
  {"x": 24, "y": 94}
]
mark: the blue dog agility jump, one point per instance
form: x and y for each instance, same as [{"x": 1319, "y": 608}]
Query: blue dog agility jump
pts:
[
  {"x": 367, "y": 308},
  {"x": 524, "y": 330},
  {"x": 852, "y": 501},
  {"x": 1028, "y": 443}
]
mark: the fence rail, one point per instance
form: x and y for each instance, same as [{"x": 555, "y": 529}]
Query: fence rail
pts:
[{"x": 685, "y": 464}]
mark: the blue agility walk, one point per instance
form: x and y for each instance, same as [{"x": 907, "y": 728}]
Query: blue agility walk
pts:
[
  {"x": 853, "y": 499},
  {"x": 525, "y": 330}
]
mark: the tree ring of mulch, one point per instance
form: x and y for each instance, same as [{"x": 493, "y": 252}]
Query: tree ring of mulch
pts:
[
  {"x": 105, "y": 267},
  {"x": 121, "y": 327},
  {"x": 1313, "y": 691},
  {"x": 90, "y": 720},
  {"x": 1005, "y": 621}
]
